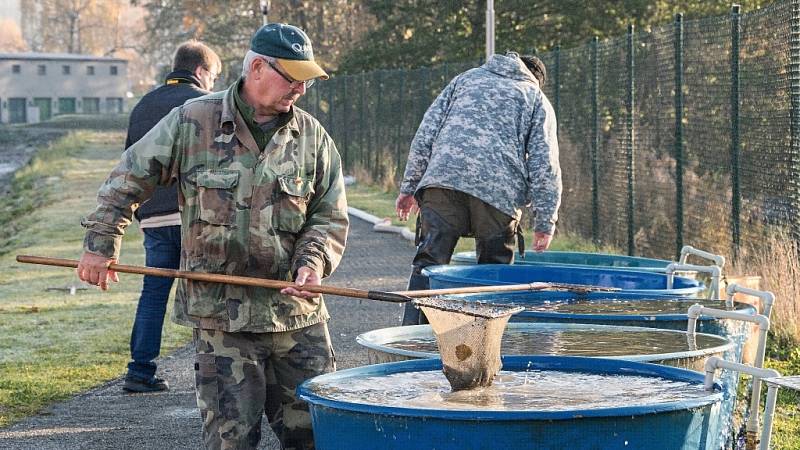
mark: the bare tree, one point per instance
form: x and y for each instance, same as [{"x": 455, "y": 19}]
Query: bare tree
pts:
[
  {"x": 11, "y": 37},
  {"x": 72, "y": 26}
]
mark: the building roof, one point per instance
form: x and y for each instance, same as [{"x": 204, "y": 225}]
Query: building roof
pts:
[{"x": 26, "y": 56}]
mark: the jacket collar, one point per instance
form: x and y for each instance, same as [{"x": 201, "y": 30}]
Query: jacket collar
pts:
[
  {"x": 229, "y": 111},
  {"x": 182, "y": 76}
]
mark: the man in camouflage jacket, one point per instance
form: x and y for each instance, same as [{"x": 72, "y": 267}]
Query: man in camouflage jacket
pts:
[
  {"x": 261, "y": 195},
  {"x": 486, "y": 148}
]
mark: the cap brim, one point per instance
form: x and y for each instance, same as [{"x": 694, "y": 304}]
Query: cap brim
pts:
[{"x": 302, "y": 70}]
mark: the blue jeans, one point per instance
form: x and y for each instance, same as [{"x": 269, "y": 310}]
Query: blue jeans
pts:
[{"x": 162, "y": 249}]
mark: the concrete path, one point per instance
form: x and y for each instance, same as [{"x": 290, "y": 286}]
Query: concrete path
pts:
[{"x": 107, "y": 418}]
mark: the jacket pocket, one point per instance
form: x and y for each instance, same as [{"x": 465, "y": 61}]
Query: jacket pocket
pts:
[
  {"x": 205, "y": 299},
  {"x": 216, "y": 190},
  {"x": 292, "y": 203}
]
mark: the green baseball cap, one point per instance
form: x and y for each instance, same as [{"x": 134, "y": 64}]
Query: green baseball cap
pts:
[{"x": 291, "y": 47}]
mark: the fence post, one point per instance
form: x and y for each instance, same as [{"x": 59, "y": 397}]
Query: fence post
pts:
[
  {"x": 595, "y": 146},
  {"x": 378, "y": 120},
  {"x": 678, "y": 134},
  {"x": 345, "y": 126},
  {"x": 631, "y": 148},
  {"x": 331, "y": 126},
  {"x": 736, "y": 196},
  {"x": 398, "y": 172},
  {"x": 361, "y": 127},
  {"x": 557, "y": 80},
  {"x": 794, "y": 86}
]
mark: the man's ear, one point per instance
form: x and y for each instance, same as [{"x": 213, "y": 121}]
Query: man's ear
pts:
[
  {"x": 198, "y": 72},
  {"x": 257, "y": 67}
]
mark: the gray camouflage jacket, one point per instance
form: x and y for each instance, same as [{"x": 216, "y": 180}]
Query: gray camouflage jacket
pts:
[
  {"x": 491, "y": 134},
  {"x": 244, "y": 212}
]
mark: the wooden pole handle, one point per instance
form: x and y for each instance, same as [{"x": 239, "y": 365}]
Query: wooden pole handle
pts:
[
  {"x": 536, "y": 286},
  {"x": 222, "y": 278}
]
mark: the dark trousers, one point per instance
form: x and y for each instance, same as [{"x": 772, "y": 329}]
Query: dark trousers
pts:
[
  {"x": 162, "y": 249},
  {"x": 447, "y": 215}
]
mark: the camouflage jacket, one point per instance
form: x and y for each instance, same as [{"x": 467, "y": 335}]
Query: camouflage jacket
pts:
[
  {"x": 244, "y": 212},
  {"x": 491, "y": 133}
]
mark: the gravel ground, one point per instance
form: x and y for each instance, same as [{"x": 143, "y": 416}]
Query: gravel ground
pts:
[{"x": 108, "y": 418}]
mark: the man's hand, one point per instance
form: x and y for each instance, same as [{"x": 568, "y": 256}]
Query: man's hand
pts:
[
  {"x": 405, "y": 205},
  {"x": 305, "y": 276},
  {"x": 93, "y": 269},
  {"x": 541, "y": 241}
]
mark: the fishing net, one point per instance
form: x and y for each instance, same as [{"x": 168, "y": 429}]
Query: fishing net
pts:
[{"x": 468, "y": 335}]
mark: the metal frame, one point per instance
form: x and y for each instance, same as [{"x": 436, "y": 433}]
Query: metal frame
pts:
[{"x": 763, "y": 327}]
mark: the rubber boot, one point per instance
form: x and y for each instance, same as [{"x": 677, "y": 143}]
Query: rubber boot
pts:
[{"x": 412, "y": 315}]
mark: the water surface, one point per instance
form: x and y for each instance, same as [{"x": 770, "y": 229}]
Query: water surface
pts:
[
  {"x": 542, "y": 390},
  {"x": 583, "y": 342}
]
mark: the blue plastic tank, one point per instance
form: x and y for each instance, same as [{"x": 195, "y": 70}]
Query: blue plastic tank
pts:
[
  {"x": 670, "y": 347},
  {"x": 575, "y": 259},
  {"x": 669, "y": 313},
  {"x": 611, "y": 308},
  {"x": 685, "y": 424},
  {"x": 443, "y": 277}
]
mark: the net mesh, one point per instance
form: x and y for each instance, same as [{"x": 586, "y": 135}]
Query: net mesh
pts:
[{"x": 469, "y": 335}]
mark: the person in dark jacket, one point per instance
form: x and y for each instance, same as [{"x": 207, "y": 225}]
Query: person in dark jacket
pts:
[{"x": 194, "y": 71}]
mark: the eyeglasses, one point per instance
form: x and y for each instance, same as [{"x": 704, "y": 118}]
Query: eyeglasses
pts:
[{"x": 292, "y": 82}]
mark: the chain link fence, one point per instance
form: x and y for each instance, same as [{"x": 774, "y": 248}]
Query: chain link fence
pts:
[{"x": 686, "y": 133}]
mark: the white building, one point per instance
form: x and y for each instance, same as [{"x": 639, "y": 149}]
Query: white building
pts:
[{"x": 37, "y": 86}]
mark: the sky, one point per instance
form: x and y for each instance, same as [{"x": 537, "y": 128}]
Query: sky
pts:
[{"x": 10, "y": 9}]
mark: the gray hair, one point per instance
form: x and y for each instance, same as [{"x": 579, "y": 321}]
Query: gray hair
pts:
[{"x": 249, "y": 57}]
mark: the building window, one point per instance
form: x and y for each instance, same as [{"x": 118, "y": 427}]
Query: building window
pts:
[
  {"x": 66, "y": 105},
  {"x": 112, "y": 70},
  {"x": 66, "y": 70},
  {"x": 16, "y": 68},
  {"x": 41, "y": 69},
  {"x": 114, "y": 105},
  {"x": 17, "y": 110},
  {"x": 45, "y": 106},
  {"x": 89, "y": 70},
  {"x": 91, "y": 105}
]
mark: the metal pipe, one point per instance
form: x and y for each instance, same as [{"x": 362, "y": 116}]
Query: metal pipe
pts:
[
  {"x": 687, "y": 250},
  {"x": 489, "y": 29},
  {"x": 557, "y": 84},
  {"x": 735, "y": 150},
  {"x": 773, "y": 384},
  {"x": 678, "y": 103},
  {"x": 767, "y": 298},
  {"x": 715, "y": 362},
  {"x": 769, "y": 411},
  {"x": 630, "y": 147},
  {"x": 714, "y": 271},
  {"x": 595, "y": 149},
  {"x": 696, "y": 311},
  {"x": 264, "y": 11},
  {"x": 794, "y": 116}
]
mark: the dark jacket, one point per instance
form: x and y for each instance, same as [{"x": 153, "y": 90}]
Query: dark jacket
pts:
[{"x": 179, "y": 86}]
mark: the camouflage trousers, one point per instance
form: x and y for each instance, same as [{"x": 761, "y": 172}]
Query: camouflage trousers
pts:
[{"x": 241, "y": 376}]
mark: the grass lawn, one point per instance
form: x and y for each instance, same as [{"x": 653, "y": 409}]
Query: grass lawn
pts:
[{"x": 52, "y": 344}]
